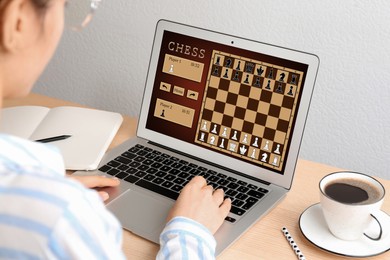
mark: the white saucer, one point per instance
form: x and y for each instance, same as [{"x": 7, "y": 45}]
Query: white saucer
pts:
[{"x": 314, "y": 228}]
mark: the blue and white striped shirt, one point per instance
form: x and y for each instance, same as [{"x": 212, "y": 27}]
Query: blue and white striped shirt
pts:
[{"x": 46, "y": 216}]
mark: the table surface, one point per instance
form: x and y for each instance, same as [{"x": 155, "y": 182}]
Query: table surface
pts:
[{"x": 265, "y": 239}]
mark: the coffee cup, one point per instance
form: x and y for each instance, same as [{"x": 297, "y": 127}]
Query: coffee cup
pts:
[{"x": 350, "y": 201}]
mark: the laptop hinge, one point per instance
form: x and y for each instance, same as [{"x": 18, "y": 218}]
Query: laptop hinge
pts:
[{"x": 210, "y": 163}]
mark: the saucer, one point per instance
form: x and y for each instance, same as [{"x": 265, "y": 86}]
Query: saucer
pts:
[{"x": 314, "y": 228}]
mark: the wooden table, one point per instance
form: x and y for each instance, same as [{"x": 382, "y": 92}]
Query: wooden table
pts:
[{"x": 265, "y": 240}]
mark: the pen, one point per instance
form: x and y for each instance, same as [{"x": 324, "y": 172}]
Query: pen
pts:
[
  {"x": 293, "y": 245},
  {"x": 54, "y": 138}
]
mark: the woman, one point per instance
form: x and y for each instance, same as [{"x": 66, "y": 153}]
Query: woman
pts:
[{"x": 44, "y": 214}]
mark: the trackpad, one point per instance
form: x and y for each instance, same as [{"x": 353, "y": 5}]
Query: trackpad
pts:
[{"x": 141, "y": 214}]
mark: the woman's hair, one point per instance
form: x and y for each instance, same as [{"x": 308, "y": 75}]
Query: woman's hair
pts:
[{"x": 40, "y": 5}]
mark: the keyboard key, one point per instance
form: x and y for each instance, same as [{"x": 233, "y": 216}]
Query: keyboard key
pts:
[
  {"x": 243, "y": 189},
  {"x": 113, "y": 171},
  {"x": 238, "y": 203},
  {"x": 123, "y": 167},
  {"x": 105, "y": 168},
  {"x": 139, "y": 159},
  {"x": 222, "y": 175},
  {"x": 243, "y": 183},
  {"x": 131, "y": 171},
  {"x": 170, "y": 177},
  {"x": 233, "y": 186},
  {"x": 140, "y": 174},
  {"x": 253, "y": 187},
  {"x": 143, "y": 167},
  {"x": 183, "y": 175},
  {"x": 263, "y": 190},
  {"x": 123, "y": 160},
  {"x": 131, "y": 179},
  {"x": 140, "y": 146},
  {"x": 176, "y": 188},
  {"x": 237, "y": 211},
  {"x": 113, "y": 163},
  {"x": 149, "y": 177},
  {"x": 148, "y": 162},
  {"x": 160, "y": 174},
  {"x": 255, "y": 194},
  {"x": 241, "y": 196},
  {"x": 248, "y": 205},
  {"x": 134, "y": 164},
  {"x": 152, "y": 170},
  {"x": 158, "y": 180},
  {"x": 121, "y": 175},
  {"x": 165, "y": 168},
  {"x": 230, "y": 219},
  {"x": 167, "y": 184},
  {"x": 179, "y": 181},
  {"x": 129, "y": 155},
  {"x": 156, "y": 188},
  {"x": 174, "y": 171},
  {"x": 156, "y": 165}
]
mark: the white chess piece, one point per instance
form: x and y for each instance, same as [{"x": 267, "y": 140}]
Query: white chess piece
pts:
[
  {"x": 204, "y": 127},
  {"x": 255, "y": 144},
  {"x": 253, "y": 155},
  {"x": 243, "y": 149},
  {"x": 222, "y": 145},
  {"x": 224, "y": 132},
  {"x": 245, "y": 141},
  {"x": 266, "y": 147},
  {"x": 235, "y": 135},
  {"x": 264, "y": 157},
  {"x": 201, "y": 137},
  {"x": 214, "y": 131},
  {"x": 232, "y": 147},
  {"x": 171, "y": 69},
  {"x": 212, "y": 140},
  {"x": 275, "y": 162},
  {"x": 277, "y": 150}
]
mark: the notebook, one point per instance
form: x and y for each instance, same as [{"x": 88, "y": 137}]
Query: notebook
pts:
[{"x": 227, "y": 108}]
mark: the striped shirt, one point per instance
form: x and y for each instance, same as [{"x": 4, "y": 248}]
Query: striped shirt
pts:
[{"x": 46, "y": 216}]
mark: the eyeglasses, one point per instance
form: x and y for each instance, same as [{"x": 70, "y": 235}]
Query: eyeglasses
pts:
[{"x": 78, "y": 13}]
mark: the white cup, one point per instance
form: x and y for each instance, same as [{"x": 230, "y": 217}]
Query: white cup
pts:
[{"x": 348, "y": 217}]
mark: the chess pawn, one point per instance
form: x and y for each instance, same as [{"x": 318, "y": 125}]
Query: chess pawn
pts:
[
  {"x": 245, "y": 140},
  {"x": 204, "y": 127},
  {"x": 218, "y": 60},
  {"x": 255, "y": 143},
  {"x": 235, "y": 135},
  {"x": 171, "y": 69},
  {"x": 201, "y": 137},
  {"x": 238, "y": 66},
  {"x": 275, "y": 161},
  {"x": 214, "y": 131},
  {"x": 224, "y": 134},
  {"x": 226, "y": 74},
  {"x": 290, "y": 92},
  {"x": 266, "y": 147},
  {"x": 277, "y": 150},
  {"x": 253, "y": 155}
]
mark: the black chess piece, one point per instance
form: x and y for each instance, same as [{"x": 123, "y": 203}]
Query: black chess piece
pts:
[
  {"x": 216, "y": 71},
  {"x": 268, "y": 85},
  {"x": 290, "y": 92},
  {"x": 238, "y": 65},
  {"x": 293, "y": 79},
  {"x": 257, "y": 83},
  {"x": 163, "y": 113},
  {"x": 282, "y": 75},
  {"x": 226, "y": 74},
  {"x": 228, "y": 63},
  {"x": 218, "y": 60},
  {"x": 247, "y": 79},
  {"x": 235, "y": 76},
  {"x": 279, "y": 89},
  {"x": 260, "y": 71},
  {"x": 271, "y": 73},
  {"x": 249, "y": 67}
]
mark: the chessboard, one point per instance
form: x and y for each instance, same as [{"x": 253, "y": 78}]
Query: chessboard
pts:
[{"x": 248, "y": 109}]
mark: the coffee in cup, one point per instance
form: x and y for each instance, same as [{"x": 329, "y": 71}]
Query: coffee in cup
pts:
[{"x": 349, "y": 202}]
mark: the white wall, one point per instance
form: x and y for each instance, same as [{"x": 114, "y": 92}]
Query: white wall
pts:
[{"x": 349, "y": 123}]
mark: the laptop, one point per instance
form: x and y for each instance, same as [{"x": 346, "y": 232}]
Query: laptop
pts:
[{"x": 229, "y": 109}]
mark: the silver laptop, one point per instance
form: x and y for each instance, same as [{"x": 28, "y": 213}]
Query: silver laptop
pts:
[{"x": 227, "y": 108}]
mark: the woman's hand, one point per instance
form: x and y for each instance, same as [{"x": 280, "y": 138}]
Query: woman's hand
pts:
[
  {"x": 201, "y": 203},
  {"x": 97, "y": 182}
]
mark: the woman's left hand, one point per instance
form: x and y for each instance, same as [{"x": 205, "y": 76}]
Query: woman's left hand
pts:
[{"x": 97, "y": 182}]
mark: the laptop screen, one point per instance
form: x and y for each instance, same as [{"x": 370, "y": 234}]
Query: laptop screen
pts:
[{"x": 233, "y": 101}]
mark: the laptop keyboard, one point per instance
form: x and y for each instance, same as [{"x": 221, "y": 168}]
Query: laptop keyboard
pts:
[{"x": 167, "y": 175}]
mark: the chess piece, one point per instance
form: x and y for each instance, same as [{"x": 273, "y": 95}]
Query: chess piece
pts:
[
  {"x": 247, "y": 79},
  {"x": 222, "y": 145},
  {"x": 264, "y": 157},
  {"x": 271, "y": 73},
  {"x": 218, "y": 60},
  {"x": 245, "y": 140},
  {"x": 226, "y": 74},
  {"x": 260, "y": 71},
  {"x": 171, "y": 69},
  {"x": 290, "y": 92},
  {"x": 255, "y": 143},
  {"x": 243, "y": 150},
  {"x": 275, "y": 161},
  {"x": 224, "y": 132},
  {"x": 163, "y": 113},
  {"x": 238, "y": 66},
  {"x": 201, "y": 137},
  {"x": 215, "y": 73},
  {"x": 236, "y": 76},
  {"x": 228, "y": 63},
  {"x": 266, "y": 146},
  {"x": 257, "y": 83},
  {"x": 282, "y": 75},
  {"x": 212, "y": 140},
  {"x": 293, "y": 79},
  {"x": 268, "y": 85},
  {"x": 253, "y": 155},
  {"x": 279, "y": 89},
  {"x": 232, "y": 147},
  {"x": 214, "y": 131},
  {"x": 235, "y": 135},
  {"x": 277, "y": 150},
  {"x": 249, "y": 67},
  {"x": 204, "y": 127}
]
